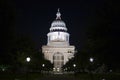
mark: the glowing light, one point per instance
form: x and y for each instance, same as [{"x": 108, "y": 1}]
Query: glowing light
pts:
[
  {"x": 43, "y": 65},
  {"x": 53, "y": 69},
  {"x": 74, "y": 65},
  {"x": 3, "y": 69},
  {"x": 91, "y": 59},
  {"x": 58, "y": 69},
  {"x": 28, "y": 59}
]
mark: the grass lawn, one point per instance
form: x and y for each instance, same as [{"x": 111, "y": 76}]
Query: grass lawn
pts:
[
  {"x": 11, "y": 76},
  {"x": 98, "y": 76}
]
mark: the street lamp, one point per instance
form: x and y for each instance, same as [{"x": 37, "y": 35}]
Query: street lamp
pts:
[
  {"x": 91, "y": 59},
  {"x": 74, "y": 65},
  {"x": 53, "y": 69},
  {"x": 43, "y": 65},
  {"x": 58, "y": 69},
  {"x": 27, "y": 60}
]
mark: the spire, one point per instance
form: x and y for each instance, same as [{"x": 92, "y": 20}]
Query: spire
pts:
[{"x": 58, "y": 14}]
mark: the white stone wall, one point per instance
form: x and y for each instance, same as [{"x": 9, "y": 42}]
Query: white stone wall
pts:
[{"x": 49, "y": 51}]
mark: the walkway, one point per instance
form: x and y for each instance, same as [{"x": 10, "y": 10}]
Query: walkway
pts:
[{"x": 58, "y": 77}]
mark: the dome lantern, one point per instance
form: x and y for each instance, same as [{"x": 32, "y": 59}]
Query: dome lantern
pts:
[
  {"x": 58, "y": 15},
  {"x": 58, "y": 24}
]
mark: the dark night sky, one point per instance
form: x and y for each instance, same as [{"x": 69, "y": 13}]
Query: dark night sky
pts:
[{"x": 34, "y": 18}]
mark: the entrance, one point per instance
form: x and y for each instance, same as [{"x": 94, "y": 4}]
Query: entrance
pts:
[{"x": 58, "y": 60}]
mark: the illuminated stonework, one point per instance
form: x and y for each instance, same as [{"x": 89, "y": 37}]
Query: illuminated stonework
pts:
[{"x": 58, "y": 50}]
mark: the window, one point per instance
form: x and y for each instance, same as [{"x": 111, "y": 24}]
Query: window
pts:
[{"x": 69, "y": 51}]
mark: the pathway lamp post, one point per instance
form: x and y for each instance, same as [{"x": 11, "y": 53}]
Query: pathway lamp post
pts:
[
  {"x": 74, "y": 65},
  {"x": 43, "y": 67},
  {"x": 28, "y": 59},
  {"x": 91, "y": 61}
]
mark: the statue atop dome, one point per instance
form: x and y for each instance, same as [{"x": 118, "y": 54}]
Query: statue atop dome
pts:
[{"x": 58, "y": 15}]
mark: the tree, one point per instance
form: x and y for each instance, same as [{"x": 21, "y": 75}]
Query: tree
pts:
[
  {"x": 23, "y": 47},
  {"x": 102, "y": 37}
]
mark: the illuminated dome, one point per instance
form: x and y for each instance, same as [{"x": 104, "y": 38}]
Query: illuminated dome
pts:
[{"x": 58, "y": 24}]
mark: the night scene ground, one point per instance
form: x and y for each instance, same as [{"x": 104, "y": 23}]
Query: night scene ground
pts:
[{"x": 94, "y": 31}]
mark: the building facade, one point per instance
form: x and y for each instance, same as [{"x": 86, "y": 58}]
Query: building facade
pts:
[{"x": 58, "y": 49}]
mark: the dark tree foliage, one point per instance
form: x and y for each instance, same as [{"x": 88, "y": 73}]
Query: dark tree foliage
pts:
[
  {"x": 14, "y": 47},
  {"x": 102, "y": 37},
  {"x": 38, "y": 60}
]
